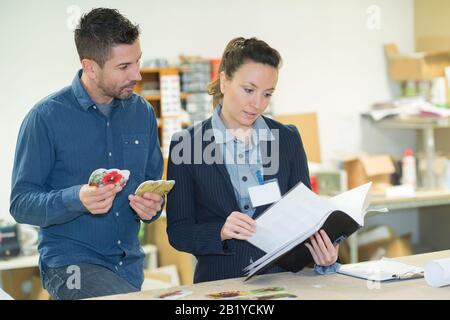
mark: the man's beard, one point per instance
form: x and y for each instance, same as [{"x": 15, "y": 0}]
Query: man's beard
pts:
[{"x": 120, "y": 94}]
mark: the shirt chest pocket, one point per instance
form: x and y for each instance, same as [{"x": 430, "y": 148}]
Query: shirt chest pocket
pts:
[{"x": 135, "y": 153}]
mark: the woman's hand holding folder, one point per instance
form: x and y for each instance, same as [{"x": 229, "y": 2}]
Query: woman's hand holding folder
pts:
[
  {"x": 322, "y": 249},
  {"x": 238, "y": 226}
]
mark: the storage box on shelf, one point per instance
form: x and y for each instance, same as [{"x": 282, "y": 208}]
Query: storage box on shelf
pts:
[
  {"x": 364, "y": 168},
  {"x": 416, "y": 66},
  {"x": 433, "y": 43},
  {"x": 195, "y": 76}
]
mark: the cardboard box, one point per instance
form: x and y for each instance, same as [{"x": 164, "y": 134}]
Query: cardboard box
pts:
[
  {"x": 24, "y": 284},
  {"x": 377, "y": 242},
  {"x": 156, "y": 234},
  {"x": 396, "y": 247},
  {"x": 391, "y": 248},
  {"x": 365, "y": 168},
  {"x": 416, "y": 66},
  {"x": 433, "y": 44},
  {"x": 307, "y": 125}
]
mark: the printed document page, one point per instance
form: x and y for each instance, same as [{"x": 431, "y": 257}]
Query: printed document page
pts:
[{"x": 298, "y": 212}]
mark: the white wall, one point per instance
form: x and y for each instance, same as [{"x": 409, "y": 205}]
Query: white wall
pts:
[{"x": 333, "y": 63}]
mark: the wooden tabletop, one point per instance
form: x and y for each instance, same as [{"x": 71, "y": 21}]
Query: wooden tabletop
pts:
[{"x": 308, "y": 285}]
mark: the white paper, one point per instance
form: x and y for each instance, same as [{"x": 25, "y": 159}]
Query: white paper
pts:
[
  {"x": 437, "y": 272},
  {"x": 381, "y": 270},
  {"x": 298, "y": 210},
  {"x": 353, "y": 202},
  {"x": 264, "y": 194},
  {"x": 4, "y": 295}
]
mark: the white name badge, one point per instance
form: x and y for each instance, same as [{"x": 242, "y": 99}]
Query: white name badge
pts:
[{"x": 264, "y": 194}]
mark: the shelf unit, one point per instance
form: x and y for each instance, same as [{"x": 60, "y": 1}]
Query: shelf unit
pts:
[
  {"x": 422, "y": 198},
  {"x": 161, "y": 87},
  {"x": 427, "y": 127}
]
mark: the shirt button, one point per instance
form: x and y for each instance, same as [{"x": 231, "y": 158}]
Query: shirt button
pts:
[
  {"x": 107, "y": 124},
  {"x": 244, "y": 178},
  {"x": 116, "y": 268},
  {"x": 241, "y": 156},
  {"x": 117, "y": 214},
  {"x": 120, "y": 263},
  {"x": 136, "y": 141},
  {"x": 110, "y": 154},
  {"x": 94, "y": 107},
  {"x": 246, "y": 207},
  {"x": 119, "y": 242}
]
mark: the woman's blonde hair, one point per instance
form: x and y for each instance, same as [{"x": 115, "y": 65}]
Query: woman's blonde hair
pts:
[{"x": 237, "y": 52}]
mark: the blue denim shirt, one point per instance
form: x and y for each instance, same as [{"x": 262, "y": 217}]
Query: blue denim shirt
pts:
[
  {"x": 61, "y": 141},
  {"x": 238, "y": 169}
]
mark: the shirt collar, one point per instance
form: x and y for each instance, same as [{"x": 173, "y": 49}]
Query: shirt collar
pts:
[
  {"x": 221, "y": 134},
  {"x": 83, "y": 97},
  {"x": 261, "y": 131},
  {"x": 80, "y": 92}
]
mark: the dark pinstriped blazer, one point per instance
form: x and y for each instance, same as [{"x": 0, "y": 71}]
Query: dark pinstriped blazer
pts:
[{"x": 203, "y": 197}]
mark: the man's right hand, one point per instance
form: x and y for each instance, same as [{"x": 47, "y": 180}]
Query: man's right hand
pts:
[
  {"x": 238, "y": 226},
  {"x": 98, "y": 200}
]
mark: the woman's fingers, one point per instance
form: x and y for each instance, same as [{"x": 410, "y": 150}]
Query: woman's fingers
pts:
[
  {"x": 238, "y": 226},
  {"x": 323, "y": 248},
  {"x": 313, "y": 253},
  {"x": 232, "y": 233},
  {"x": 243, "y": 220},
  {"x": 327, "y": 241},
  {"x": 318, "y": 252}
]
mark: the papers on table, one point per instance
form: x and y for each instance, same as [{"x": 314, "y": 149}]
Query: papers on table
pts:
[{"x": 382, "y": 270}]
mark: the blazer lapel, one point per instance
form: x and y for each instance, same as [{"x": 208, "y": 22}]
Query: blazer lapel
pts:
[
  {"x": 226, "y": 177},
  {"x": 231, "y": 198}
]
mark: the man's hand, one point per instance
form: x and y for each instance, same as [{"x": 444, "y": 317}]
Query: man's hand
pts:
[
  {"x": 238, "y": 226},
  {"x": 98, "y": 200},
  {"x": 147, "y": 205},
  {"x": 322, "y": 250}
]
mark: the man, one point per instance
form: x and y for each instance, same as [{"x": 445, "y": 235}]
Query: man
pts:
[{"x": 89, "y": 242}]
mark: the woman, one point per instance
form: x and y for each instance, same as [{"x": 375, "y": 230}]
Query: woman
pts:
[{"x": 209, "y": 211}]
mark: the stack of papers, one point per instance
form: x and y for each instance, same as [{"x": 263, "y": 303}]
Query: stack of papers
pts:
[
  {"x": 404, "y": 107},
  {"x": 382, "y": 270}
]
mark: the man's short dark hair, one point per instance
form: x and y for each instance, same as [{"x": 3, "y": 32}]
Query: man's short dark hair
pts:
[{"x": 100, "y": 30}]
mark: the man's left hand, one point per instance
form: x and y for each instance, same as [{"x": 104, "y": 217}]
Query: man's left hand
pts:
[{"x": 147, "y": 205}]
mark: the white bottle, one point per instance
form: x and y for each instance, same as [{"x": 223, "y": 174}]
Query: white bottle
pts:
[
  {"x": 438, "y": 92},
  {"x": 409, "y": 176}
]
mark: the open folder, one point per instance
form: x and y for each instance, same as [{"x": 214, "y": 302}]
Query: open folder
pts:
[{"x": 283, "y": 229}]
